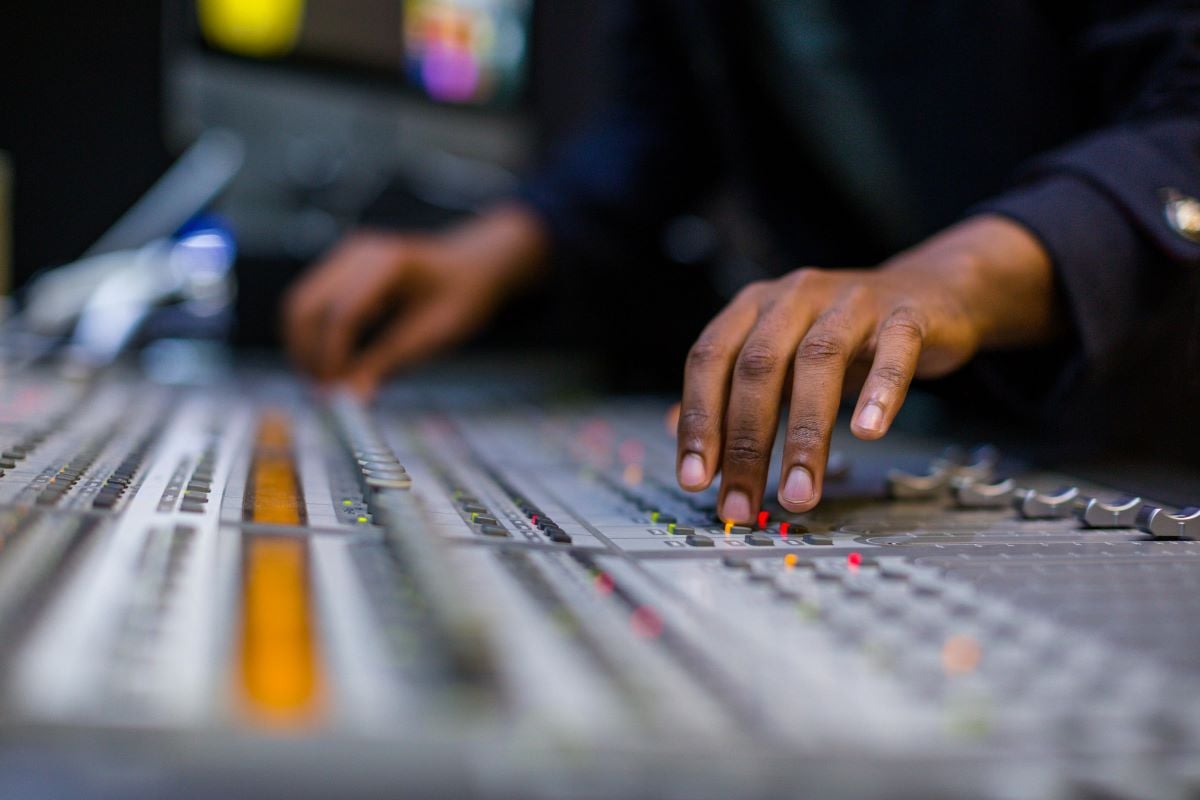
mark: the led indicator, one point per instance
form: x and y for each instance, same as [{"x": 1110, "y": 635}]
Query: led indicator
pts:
[
  {"x": 854, "y": 559},
  {"x": 728, "y": 527},
  {"x": 763, "y": 518},
  {"x": 783, "y": 529},
  {"x": 604, "y": 583},
  {"x": 671, "y": 527},
  {"x": 646, "y": 622},
  {"x": 791, "y": 560}
]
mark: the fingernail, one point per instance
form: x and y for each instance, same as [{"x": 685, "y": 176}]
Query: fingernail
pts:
[
  {"x": 871, "y": 417},
  {"x": 799, "y": 486},
  {"x": 691, "y": 470},
  {"x": 736, "y": 507}
]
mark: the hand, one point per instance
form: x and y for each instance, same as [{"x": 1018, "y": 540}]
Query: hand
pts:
[
  {"x": 432, "y": 291},
  {"x": 986, "y": 283}
]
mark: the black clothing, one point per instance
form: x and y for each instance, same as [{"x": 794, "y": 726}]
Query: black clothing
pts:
[{"x": 857, "y": 128}]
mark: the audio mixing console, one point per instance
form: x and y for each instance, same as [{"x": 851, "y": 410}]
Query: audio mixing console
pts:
[{"x": 469, "y": 591}]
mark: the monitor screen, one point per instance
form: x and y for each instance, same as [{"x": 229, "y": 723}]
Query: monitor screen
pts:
[{"x": 462, "y": 52}]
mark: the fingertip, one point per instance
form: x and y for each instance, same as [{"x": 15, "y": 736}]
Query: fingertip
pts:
[
  {"x": 798, "y": 491},
  {"x": 870, "y": 422},
  {"x": 692, "y": 474},
  {"x": 736, "y": 507}
]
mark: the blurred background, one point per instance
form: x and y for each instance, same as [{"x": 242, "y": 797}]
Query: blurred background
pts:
[{"x": 400, "y": 113}]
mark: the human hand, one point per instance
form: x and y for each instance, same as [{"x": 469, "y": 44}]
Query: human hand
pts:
[
  {"x": 430, "y": 290},
  {"x": 985, "y": 283}
]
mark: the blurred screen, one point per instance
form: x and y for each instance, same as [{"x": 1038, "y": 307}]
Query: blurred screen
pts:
[{"x": 465, "y": 52}]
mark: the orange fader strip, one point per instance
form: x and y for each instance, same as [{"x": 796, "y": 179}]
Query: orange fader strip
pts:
[
  {"x": 280, "y": 671},
  {"x": 274, "y": 496},
  {"x": 280, "y": 667}
]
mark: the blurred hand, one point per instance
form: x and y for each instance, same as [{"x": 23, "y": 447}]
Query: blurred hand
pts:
[
  {"x": 426, "y": 291},
  {"x": 986, "y": 283}
]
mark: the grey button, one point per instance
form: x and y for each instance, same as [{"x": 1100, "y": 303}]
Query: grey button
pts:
[
  {"x": 1183, "y": 214},
  {"x": 699, "y": 540}
]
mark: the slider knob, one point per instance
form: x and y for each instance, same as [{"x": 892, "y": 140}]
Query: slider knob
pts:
[
  {"x": 1161, "y": 524},
  {"x": 976, "y": 494},
  {"x": 906, "y": 486},
  {"x": 1121, "y": 513},
  {"x": 1038, "y": 505}
]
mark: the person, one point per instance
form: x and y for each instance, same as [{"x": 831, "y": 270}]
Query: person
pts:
[{"x": 1021, "y": 175}]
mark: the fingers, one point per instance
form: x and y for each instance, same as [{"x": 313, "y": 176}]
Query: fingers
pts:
[
  {"x": 897, "y": 351},
  {"x": 752, "y": 418},
  {"x": 348, "y": 311},
  {"x": 819, "y": 369},
  {"x": 304, "y": 311},
  {"x": 411, "y": 338},
  {"x": 705, "y": 385},
  {"x": 328, "y": 310}
]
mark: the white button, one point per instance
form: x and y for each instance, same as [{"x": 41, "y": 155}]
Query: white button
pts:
[{"x": 1183, "y": 214}]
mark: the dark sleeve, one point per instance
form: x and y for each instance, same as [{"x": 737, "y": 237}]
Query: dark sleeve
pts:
[
  {"x": 1099, "y": 204},
  {"x": 643, "y": 159}
]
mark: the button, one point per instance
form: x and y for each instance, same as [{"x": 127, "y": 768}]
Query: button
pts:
[
  {"x": 1182, "y": 213},
  {"x": 192, "y": 507},
  {"x": 735, "y": 563},
  {"x": 678, "y": 531},
  {"x": 1121, "y": 513},
  {"x": 471, "y": 508},
  {"x": 810, "y": 538},
  {"x": 8, "y": 463},
  {"x": 559, "y": 535},
  {"x": 492, "y": 530},
  {"x": 483, "y": 519},
  {"x": 1161, "y": 524},
  {"x": 759, "y": 539},
  {"x": 699, "y": 540},
  {"x": 739, "y": 530}
]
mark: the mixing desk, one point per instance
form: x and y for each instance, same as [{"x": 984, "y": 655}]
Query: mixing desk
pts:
[{"x": 470, "y": 590}]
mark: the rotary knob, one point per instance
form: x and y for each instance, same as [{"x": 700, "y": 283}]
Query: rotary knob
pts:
[
  {"x": 1121, "y": 513},
  {"x": 1039, "y": 505},
  {"x": 1162, "y": 524}
]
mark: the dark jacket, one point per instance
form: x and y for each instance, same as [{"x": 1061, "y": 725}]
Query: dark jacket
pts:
[{"x": 857, "y": 128}]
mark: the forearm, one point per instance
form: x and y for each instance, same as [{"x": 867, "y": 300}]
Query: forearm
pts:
[{"x": 510, "y": 241}]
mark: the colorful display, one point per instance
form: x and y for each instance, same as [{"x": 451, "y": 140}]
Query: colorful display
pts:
[{"x": 462, "y": 52}]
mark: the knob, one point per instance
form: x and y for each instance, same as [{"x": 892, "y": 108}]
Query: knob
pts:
[
  {"x": 1121, "y": 513},
  {"x": 1161, "y": 524},
  {"x": 976, "y": 494},
  {"x": 906, "y": 486},
  {"x": 978, "y": 465},
  {"x": 1038, "y": 505}
]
